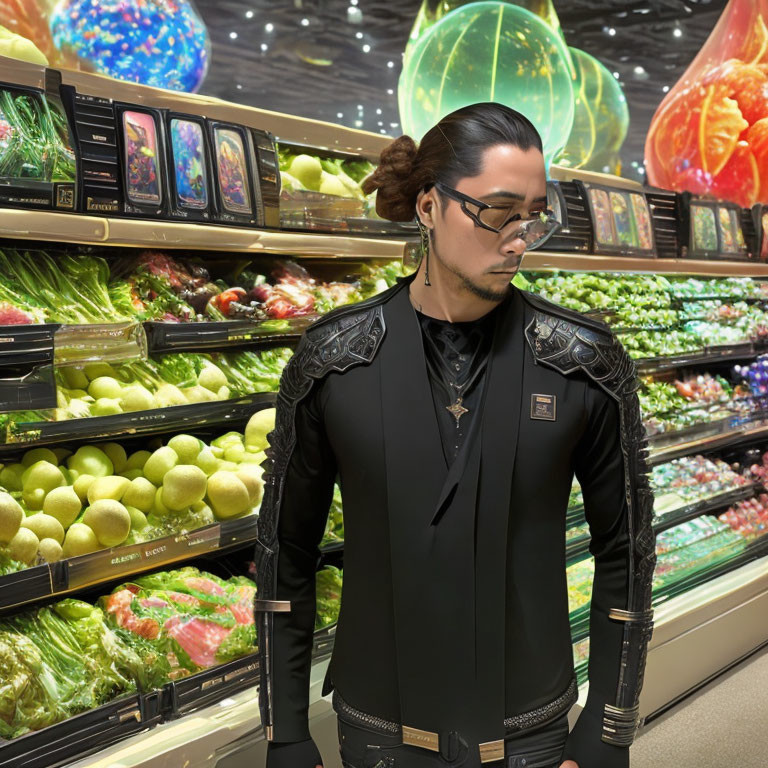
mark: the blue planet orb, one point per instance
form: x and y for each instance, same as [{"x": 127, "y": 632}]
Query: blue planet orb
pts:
[{"x": 163, "y": 43}]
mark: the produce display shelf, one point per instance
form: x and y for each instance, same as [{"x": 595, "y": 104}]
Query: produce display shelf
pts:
[
  {"x": 578, "y": 549},
  {"x": 99, "y": 342},
  {"x": 54, "y": 580},
  {"x": 26, "y": 367},
  {"x": 188, "y": 694},
  {"x": 706, "y": 506},
  {"x": 82, "y": 734},
  {"x": 154, "y": 421},
  {"x": 587, "y": 262},
  {"x": 184, "y": 337},
  {"x": 50, "y": 226},
  {"x": 718, "y": 354},
  {"x": 754, "y": 550},
  {"x": 664, "y": 440},
  {"x": 680, "y": 300},
  {"x": 749, "y": 431},
  {"x": 331, "y": 547}
]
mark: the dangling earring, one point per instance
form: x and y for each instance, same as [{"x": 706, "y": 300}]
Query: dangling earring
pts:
[{"x": 425, "y": 251}]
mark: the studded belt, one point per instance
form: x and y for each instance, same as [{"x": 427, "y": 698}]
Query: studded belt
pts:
[{"x": 447, "y": 744}]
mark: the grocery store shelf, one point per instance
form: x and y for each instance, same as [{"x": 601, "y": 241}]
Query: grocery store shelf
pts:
[
  {"x": 16, "y": 223},
  {"x": 754, "y": 551},
  {"x": 708, "y": 356},
  {"x": 699, "y": 634},
  {"x": 226, "y": 723},
  {"x": 703, "y": 631},
  {"x": 750, "y": 431},
  {"x": 56, "y": 579},
  {"x": 225, "y": 334},
  {"x": 578, "y": 549},
  {"x": 706, "y": 507},
  {"x": 587, "y": 262},
  {"x": 155, "y": 421}
]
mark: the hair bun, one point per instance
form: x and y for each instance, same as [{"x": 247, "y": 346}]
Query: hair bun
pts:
[{"x": 396, "y": 198}]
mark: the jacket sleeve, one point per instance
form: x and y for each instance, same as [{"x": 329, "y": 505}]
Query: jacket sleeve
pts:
[
  {"x": 610, "y": 467},
  {"x": 300, "y": 474}
]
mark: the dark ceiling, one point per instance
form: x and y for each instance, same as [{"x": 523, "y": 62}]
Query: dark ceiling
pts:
[{"x": 262, "y": 52}]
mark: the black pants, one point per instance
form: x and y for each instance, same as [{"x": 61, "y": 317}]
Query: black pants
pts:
[{"x": 363, "y": 748}]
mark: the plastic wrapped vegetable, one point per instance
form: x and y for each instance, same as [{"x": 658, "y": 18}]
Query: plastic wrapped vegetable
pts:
[
  {"x": 160, "y": 287},
  {"x": 58, "y": 662},
  {"x": 68, "y": 289},
  {"x": 189, "y": 619}
]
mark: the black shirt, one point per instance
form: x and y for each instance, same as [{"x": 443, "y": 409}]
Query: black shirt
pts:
[{"x": 456, "y": 355}]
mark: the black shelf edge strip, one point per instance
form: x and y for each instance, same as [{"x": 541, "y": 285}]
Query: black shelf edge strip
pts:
[
  {"x": 184, "y": 337},
  {"x": 746, "y": 433},
  {"x": 43, "y": 582},
  {"x": 717, "y": 354},
  {"x": 155, "y": 421}
]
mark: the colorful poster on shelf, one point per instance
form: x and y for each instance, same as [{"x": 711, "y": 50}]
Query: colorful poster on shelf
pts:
[
  {"x": 232, "y": 171},
  {"x": 704, "y": 228},
  {"x": 189, "y": 164},
  {"x": 642, "y": 221},
  {"x": 764, "y": 244},
  {"x": 601, "y": 209},
  {"x": 727, "y": 237},
  {"x": 141, "y": 166},
  {"x": 623, "y": 220}
]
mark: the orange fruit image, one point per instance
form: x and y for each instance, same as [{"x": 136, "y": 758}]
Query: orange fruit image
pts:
[
  {"x": 720, "y": 124},
  {"x": 709, "y": 136},
  {"x": 757, "y": 137},
  {"x": 739, "y": 180}
]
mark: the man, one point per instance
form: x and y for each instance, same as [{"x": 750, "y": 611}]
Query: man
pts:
[{"x": 454, "y": 409}]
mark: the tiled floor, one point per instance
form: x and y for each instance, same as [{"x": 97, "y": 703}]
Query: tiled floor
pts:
[{"x": 723, "y": 725}]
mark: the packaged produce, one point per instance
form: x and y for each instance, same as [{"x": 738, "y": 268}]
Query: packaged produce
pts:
[
  {"x": 37, "y": 287},
  {"x": 159, "y": 286},
  {"x": 693, "y": 548},
  {"x": 59, "y": 661},
  {"x": 181, "y": 622},
  {"x": 748, "y": 518}
]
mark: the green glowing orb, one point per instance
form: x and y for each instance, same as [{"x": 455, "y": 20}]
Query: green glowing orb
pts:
[
  {"x": 489, "y": 51},
  {"x": 600, "y": 119}
]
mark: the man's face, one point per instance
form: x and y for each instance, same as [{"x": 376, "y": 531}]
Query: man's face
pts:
[{"x": 486, "y": 261}]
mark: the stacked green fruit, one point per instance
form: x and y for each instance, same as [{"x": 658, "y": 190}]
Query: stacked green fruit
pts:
[
  {"x": 56, "y": 503},
  {"x": 101, "y": 389},
  {"x": 627, "y": 297},
  {"x": 330, "y": 176}
]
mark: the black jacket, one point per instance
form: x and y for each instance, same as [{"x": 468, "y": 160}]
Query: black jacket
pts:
[{"x": 454, "y": 612}]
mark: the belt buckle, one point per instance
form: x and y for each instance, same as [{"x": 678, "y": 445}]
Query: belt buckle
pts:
[{"x": 491, "y": 750}]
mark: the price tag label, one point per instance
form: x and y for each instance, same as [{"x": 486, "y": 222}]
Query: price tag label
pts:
[{"x": 206, "y": 539}]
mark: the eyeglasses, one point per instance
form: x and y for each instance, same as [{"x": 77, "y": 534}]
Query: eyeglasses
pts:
[{"x": 533, "y": 231}]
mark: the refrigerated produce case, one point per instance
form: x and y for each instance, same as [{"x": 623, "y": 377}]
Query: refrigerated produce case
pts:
[{"x": 196, "y": 308}]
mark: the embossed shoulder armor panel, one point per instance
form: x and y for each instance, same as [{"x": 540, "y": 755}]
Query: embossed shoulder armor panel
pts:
[{"x": 568, "y": 341}]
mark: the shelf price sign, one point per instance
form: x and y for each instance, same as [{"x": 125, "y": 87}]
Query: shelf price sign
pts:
[{"x": 108, "y": 564}]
